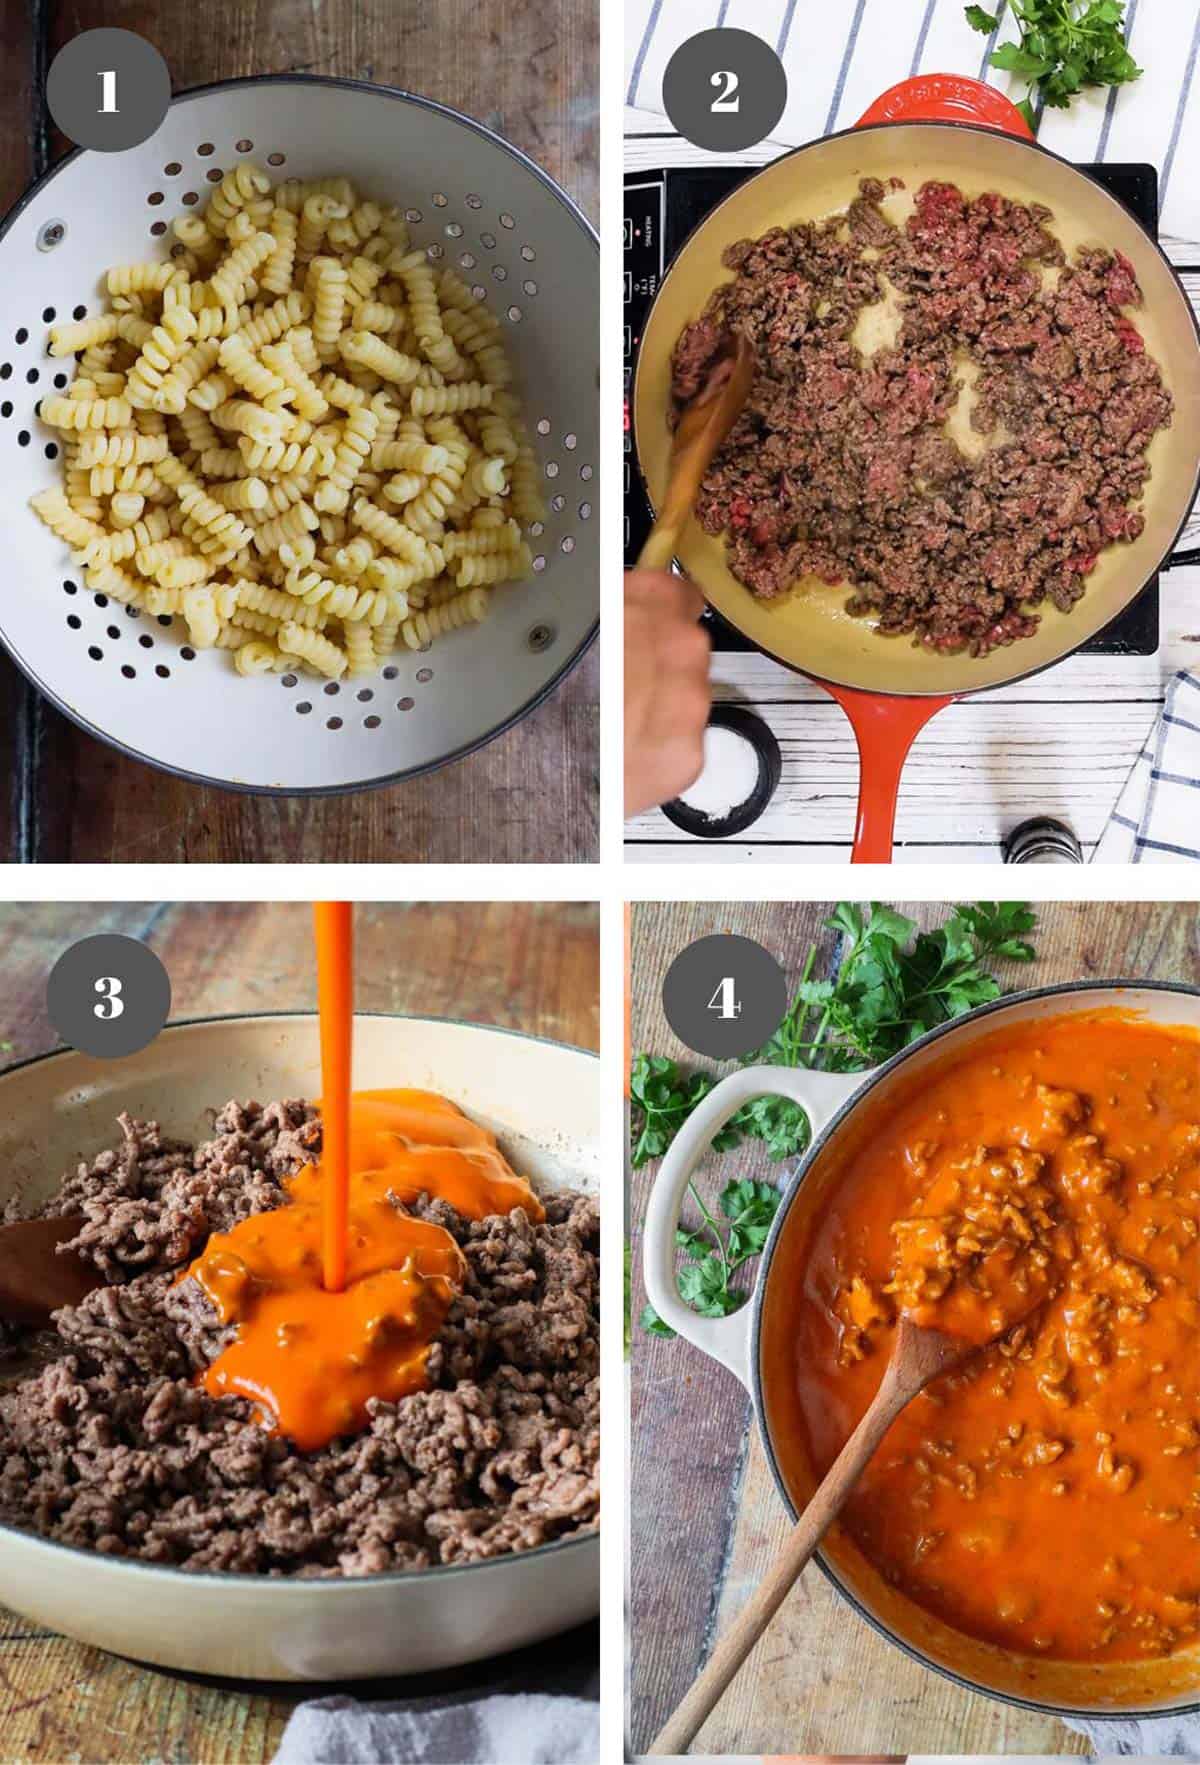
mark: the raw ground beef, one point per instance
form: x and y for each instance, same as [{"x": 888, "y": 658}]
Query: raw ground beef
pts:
[
  {"x": 840, "y": 465},
  {"x": 111, "y": 1446}
]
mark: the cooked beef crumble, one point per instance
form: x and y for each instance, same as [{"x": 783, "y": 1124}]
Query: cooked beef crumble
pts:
[
  {"x": 840, "y": 464},
  {"x": 113, "y": 1447}
]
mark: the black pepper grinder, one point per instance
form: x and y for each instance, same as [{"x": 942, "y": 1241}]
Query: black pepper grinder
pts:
[{"x": 1042, "y": 840}]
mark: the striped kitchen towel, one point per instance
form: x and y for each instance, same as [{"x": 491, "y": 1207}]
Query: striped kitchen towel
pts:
[
  {"x": 1157, "y": 817},
  {"x": 840, "y": 55}
]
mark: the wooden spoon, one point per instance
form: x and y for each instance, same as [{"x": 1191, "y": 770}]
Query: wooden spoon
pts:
[
  {"x": 34, "y": 1279},
  {"x": 918, "y": 1355},
  {"x": 702, "y": 427}
]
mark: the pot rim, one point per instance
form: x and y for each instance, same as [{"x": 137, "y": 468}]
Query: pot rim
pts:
[
  {"x": 870, "y": 1079},
  {"x": 1032, "y": 146},
  {"x": 229, "y": 1580}
]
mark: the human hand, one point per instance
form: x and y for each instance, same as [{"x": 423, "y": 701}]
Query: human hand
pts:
[{"x": 667, "y": 694}]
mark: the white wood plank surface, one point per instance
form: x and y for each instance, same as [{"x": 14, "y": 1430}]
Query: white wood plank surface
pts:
[{"x": 1059, "y": 744}]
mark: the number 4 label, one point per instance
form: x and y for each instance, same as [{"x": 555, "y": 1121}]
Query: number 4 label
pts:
[
  {"x": 725, "y": 1001},
  {"x": 108, "y": 94}
]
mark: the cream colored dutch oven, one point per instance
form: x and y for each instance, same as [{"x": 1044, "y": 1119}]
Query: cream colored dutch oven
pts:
[
  {"x": 845, "y": 1109},
  {"x": 543, "y": 1101}
]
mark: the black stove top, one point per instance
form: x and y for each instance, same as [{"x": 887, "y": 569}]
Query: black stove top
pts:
[{"x": 662, "y": 208}]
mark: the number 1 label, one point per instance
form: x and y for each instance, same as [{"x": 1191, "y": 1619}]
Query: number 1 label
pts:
[{"x": 108, "y": 93}]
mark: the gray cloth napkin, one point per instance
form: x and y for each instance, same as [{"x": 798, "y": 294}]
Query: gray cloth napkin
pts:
[
  {"x": 1176, "y": 1737},
  {"x": 527, "y": 1729}
]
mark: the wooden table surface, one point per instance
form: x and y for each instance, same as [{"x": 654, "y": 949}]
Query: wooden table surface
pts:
[
  {"x": 527, "y": 68},
  {"x": 705, "y": 1517},
  {"x": 522, "y": 966},
  {"x": 1062, "y": 743}
]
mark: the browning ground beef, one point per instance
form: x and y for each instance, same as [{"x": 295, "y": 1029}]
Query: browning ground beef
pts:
[
  {"x": 841, "y": 466},
  {"x": 113, "y": 1447}
]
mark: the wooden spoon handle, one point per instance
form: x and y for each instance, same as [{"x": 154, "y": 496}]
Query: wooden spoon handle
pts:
[
  {"x": 659, "y": 549},
  {"x": 683, "y": 487},
  {"x": 679, "y": 1730}
]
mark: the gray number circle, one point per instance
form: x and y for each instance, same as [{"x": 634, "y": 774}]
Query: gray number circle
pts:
[
  {"x": 724, "y": 996},
  {"x": 108, "y": 996},
  {"x": 725, "y": 90},
  {"x": 108, "y": 89}
]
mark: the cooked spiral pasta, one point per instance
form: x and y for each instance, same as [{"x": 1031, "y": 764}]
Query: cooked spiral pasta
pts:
[
  {"x": 465, "y": 609},
  {"x": 252, "y": 374},
  {"x": 83, "y": 334},
  {"x": 280, "y": 358},
  {"x": 293, "y": 524},
  {"x": 322, "y": 655},
  {"x": 244, "y": 185},
  {"x": 358, "y": 432},
  {"x": 442, "y": 401},
  {"x": 505, "y": 566},
  {"x": 277, "y": 604},
  {"x": 364, "y": 350},
  {"x": 295, "y": 435},
  {"x": 327, "y": 285},
  {"x": 277, "y": 269},
  {"x": 83, "y": 413},
  {"x": 163, "y": 347}
]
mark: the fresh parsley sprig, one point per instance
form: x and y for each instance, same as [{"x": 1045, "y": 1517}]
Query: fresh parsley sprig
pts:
[
  {"x": 893, "y": 982},
  {"x": 714, "y": 1252},
  {"x": 1064, "y": 45}
]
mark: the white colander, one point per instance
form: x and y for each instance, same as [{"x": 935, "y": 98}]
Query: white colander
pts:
[{"x": 473, "y": 202}]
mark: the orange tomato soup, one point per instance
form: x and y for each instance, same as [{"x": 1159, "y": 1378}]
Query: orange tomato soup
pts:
[
  {"x": 310, "y": 1358},
  {"x": 1046, "y": 1183}
]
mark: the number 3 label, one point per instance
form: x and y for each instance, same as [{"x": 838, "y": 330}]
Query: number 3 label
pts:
[
  {"x": 728, "y": 99},
  {"x": 108, "y": 995},
  {"x": 111, "y": 1003}
]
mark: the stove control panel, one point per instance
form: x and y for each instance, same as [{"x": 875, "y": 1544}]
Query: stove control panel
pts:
[{"x": 643, "y": 268}]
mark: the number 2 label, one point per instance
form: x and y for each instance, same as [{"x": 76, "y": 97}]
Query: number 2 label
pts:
[
  {"x": 725, "y": 1001},
  {"x": 108, "y": 93},
  {"x": 111, "y": 1003},
  {"x": 728, "y": 84}
]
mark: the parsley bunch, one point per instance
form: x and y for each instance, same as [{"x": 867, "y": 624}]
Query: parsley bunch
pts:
[
  {"x": 1064, "y": 45},
  {"x": 892, "y": 984}
]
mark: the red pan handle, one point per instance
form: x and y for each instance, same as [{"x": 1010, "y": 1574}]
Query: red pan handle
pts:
[
  {"x": 947, "y": 98},
  {"x": 885, "y": 728}
]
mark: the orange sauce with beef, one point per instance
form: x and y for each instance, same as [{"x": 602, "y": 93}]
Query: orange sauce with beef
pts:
[{"x": 1046, "y": 1496}]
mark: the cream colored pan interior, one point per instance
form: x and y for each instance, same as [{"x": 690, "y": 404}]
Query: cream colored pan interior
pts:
[{"x": 809, "y": 628}]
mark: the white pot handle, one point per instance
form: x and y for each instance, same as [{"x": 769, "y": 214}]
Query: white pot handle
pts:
[{"x": 821, "y": 1095}]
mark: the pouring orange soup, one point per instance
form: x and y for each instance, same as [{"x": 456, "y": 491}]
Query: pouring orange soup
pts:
[
  {"x": 1046, "y": 1182},
  {"x": 336, "y": 1297}
]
